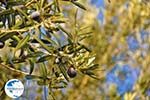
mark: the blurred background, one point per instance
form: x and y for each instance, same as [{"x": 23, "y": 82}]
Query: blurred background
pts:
[{"x": 121, "y": 42}]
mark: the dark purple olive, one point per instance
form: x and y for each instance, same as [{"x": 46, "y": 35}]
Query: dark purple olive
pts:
[
  {"x": 35, "y": 16},
  {"x": 2, "y": 44},
  {"x": 71, "y": 72}
]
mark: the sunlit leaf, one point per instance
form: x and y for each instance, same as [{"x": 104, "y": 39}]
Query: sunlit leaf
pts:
[
  {"x": 43, "y": 70},
  {"x": 49, "y": 49},
  {"x": 63, "y": 71},
  {"x": 23, "y": 42}
]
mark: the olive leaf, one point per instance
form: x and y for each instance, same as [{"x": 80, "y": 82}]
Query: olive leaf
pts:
[
  {"x": 5, "y": 36},
  {"x": 31, "y": 66},
  {"x": 23, "y": 42},
  {"x": 44, "y": 58},
  {"x": 49, "y": 49},
  {"x": 30, "y": 77},
  {"x": 35, "y": 54},
  {"x": 43, "y": 70},
  {"x": 78, "y": 4},
  {"x": 63, "y": 71}
]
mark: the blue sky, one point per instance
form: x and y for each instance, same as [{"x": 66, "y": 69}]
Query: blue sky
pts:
[
  {"x": 100, "y": 4},
  {"x": 128, "y": 72},
  {"x": 123, "y": 76}
]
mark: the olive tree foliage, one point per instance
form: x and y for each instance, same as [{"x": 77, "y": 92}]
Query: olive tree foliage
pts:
[
  {"x": 38, "y": 41},
  {"x": 122, "y": 18},
  {"x": 60, "y": 18}
]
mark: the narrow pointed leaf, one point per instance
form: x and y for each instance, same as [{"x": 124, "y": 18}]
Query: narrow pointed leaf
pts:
[
  {"x": 63, "y": 71},
  {"x": 35, "y": 54},
  {"x": 79, "y": 5},
  {"x": 23, "y": 42},
  {"x": 58, "y": 87},
  {"x": 31, "y": 66},
  {"x": 30, "y": 77},
  {"x": 95, "y": 66},
  {"x": 5, "y": 36},
  {"x": 62, "y": 29},
  {"x": 43, "y": 45},
  {"x": 43, "y": 70},
  {"x": 44, "y": 58}
]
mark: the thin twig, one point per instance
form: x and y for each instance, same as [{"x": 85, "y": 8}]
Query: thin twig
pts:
[{"x": 13, "y": 70}]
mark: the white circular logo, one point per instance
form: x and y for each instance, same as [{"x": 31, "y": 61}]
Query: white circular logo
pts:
[{"x": 14, "y": 88}]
